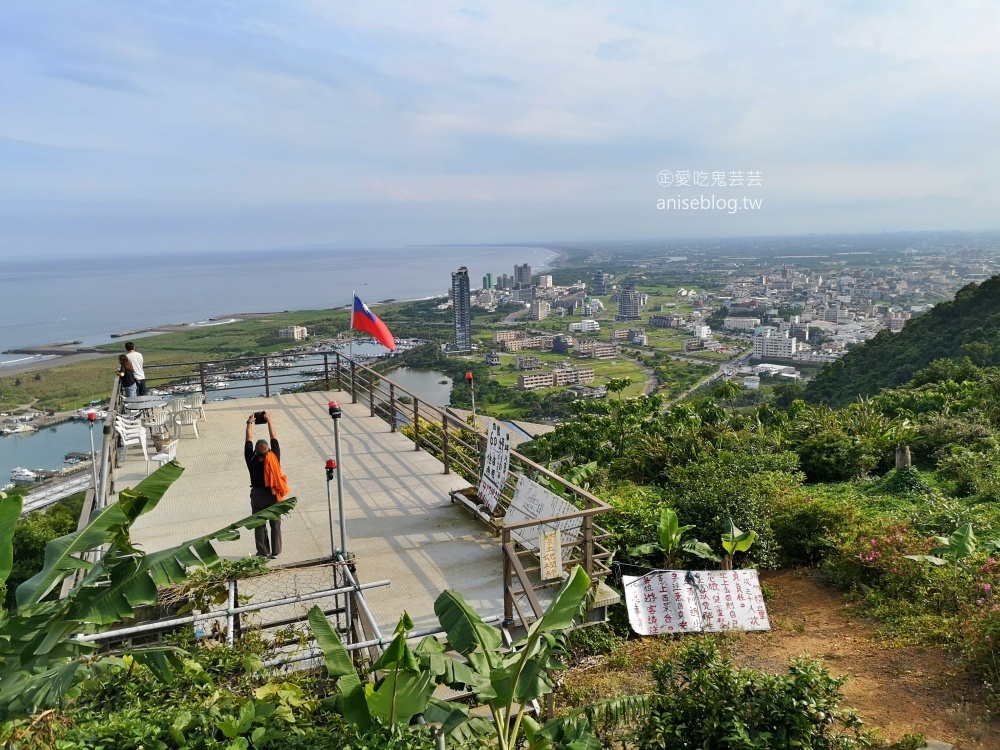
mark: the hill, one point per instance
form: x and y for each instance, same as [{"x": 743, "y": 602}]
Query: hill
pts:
[{"x": 968, "y": 326}]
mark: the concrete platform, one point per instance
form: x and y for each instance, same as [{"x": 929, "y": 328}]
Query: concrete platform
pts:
[{"x": 400, "y": 523}]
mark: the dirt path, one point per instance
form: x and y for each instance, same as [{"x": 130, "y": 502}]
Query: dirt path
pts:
[{"x": 898, "y": 690}]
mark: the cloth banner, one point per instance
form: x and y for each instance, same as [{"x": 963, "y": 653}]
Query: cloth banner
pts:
[{"x": 695, "y": 601}]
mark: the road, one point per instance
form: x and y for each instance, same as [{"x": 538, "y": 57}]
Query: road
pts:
[
  {"x": 730, "y": 365},
  {"x": 512, "y": 318}
]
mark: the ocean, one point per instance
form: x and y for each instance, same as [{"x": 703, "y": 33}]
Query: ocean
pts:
[{"x": 87, "y": 299}]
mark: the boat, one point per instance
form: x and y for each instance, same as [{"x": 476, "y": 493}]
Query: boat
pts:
[
  {"x": 13, "y": 429},
  {"x": 23, "y": 476}
]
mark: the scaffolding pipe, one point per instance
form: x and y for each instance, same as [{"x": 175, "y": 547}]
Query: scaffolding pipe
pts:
[
  {"x": 361, "y": 600},
  {"x": 318, "y": 653},
  {"x": 215, "y": 615}
]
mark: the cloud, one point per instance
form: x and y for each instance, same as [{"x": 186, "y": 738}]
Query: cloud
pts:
[{"x": 527, "y": 108}]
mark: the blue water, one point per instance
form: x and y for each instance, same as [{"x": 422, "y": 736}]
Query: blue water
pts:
[
  {"x": 44, "y": 449},
  {"x": 88, "y": 299}
]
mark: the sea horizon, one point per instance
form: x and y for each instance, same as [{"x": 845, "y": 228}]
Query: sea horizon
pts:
[{"x": 89, "y": 298}]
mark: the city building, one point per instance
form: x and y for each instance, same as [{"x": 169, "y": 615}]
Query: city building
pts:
[
  {"x": 628, "y": 304},
  {"x": 522, "y": 276},
  {"x": 701, "y": 332},
  {"x": 528, "y": 342},
  {"x": 500, "y": 336},
  {"x": 545, "y": 281},
  {"x": 563, "y": 344},
  {"x": 540, "y": 310},
  {"x": 600, "y": 284},
  {"x": 768, "y": 343},
  {"x": 527, "y": 363},
  {"x": 740, "y": 324},
  {"x": 488, "y": 281},
  {"x": 492, "y": 359},
  {"x": 558, "y": 377},
  {"x": 462, "y": 309},
  {"x": 597, "y": 349},
  {"x": 585, "y": 326},
  {"x": 293, "y": 333}
]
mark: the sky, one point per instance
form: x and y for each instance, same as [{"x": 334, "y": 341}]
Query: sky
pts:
[{"x": 153, "y": 126}]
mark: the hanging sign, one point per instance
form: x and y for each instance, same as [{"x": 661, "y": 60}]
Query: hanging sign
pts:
[
  {"x": 496, "y": 466},
  {"x": 695, "y": 601},
  {"x": 550, "y": 554},
  {"x": 532, "y": 501}
]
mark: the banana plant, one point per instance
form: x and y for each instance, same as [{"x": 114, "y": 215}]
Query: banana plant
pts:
[
  {"x": 953, "y": 549},
  {"x": 671, "y": 543},
  {"x": 736, "y": 541},
  {"x": 505, "y": 681},
  {"x": 10, "y": 511},
  {"x": 41, "y": 660}
]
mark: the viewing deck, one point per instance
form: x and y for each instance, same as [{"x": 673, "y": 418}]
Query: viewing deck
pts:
[{"x": 401, "y": 524}]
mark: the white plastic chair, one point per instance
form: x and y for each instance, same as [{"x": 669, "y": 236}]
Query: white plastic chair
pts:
[
  {"x": 176, "y": 405},
  {"x": 169, "y": 453},
  {"x": 158, "y": 422},
  {"x": 187, "y": 417},
  {"x": 196, "y": 401},
  {"x": 132, "y": 436},
  {"x": 127, "y": 422}
]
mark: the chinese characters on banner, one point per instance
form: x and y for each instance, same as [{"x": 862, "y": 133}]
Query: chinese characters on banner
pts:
[
  {"x": 678, "y": 601},
  {"x": 532, "y": 501},
  {"x": 550, "y": 554},
  {"x": 496, "y": 466}
]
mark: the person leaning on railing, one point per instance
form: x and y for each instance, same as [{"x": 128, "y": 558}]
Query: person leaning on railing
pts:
[{"x": 268, "y": 485}]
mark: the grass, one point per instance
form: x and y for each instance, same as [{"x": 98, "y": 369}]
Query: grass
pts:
[{"x": 72, "y": 386}]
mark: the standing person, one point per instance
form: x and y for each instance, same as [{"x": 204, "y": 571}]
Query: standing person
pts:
[
  {"x": 127, "y": 374},
  {"x": 136, "y": 359},
  {"x": 267, "y": 483}
]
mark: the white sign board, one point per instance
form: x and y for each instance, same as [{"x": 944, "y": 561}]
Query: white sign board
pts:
[
  {"x": 532, "y": 501},
  {"x": 550, "y": 554},
  {"x": 678, "y": 601},
  {"x": 496, "y": 466}
]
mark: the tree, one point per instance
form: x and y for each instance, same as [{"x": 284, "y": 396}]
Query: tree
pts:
[{"x": 617, "y": 385}]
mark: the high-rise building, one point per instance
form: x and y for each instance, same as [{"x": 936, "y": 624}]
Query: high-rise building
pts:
[
  {"x": 461, "y": 305},
  {"x": 628, "y": 304},
  {"x": 600, "y": 284},
  {"x": 488, "y": 281},
  {"x": 522, "y": 276}
]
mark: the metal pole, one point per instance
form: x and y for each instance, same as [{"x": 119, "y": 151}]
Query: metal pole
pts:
[
  {"x": 93, "y": 451},
  {"x": 331, "y": 466},
  {"x": 335, "y": 415},
  {"x": 230, "y": 617}
]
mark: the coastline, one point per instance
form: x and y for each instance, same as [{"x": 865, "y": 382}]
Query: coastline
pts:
[{"x": 57, "y": 355}]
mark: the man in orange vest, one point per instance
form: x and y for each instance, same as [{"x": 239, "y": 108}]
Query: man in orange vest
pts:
[{"x": 267, "y": 483}]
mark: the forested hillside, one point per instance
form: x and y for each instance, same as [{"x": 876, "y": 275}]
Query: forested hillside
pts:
[{"x": 968, "y": 326}]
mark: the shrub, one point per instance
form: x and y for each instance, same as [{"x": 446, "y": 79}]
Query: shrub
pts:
[
  {"x": 804, "y": 527},
  {"x": 708, "y": 702},
  {"x": 727, "y": 485}
]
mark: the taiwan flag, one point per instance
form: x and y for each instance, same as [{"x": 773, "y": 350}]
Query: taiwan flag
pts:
[{"x": 363, "y": 319}]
